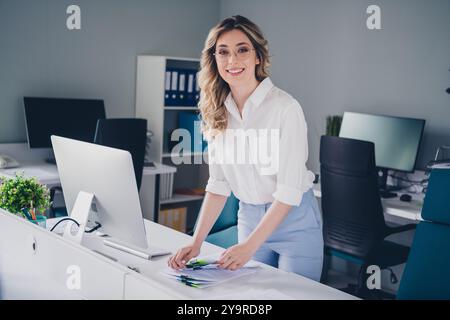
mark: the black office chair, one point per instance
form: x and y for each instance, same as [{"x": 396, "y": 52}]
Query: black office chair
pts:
[
  {"x": 126, "y": 134},
  {"x": 354, "y": 225}
]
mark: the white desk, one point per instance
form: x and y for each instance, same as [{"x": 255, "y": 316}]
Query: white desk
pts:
[
  {"x": 47, "y": 173},
  {"x": 393, "y": 206},
  {"x": 26, "y": 274}
]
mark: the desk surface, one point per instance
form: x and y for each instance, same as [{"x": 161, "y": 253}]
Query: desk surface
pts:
[
  {"x": 267, "y": 277},
  {"x": 393, "y": 206},
  {"x": 47, "y": 173}
]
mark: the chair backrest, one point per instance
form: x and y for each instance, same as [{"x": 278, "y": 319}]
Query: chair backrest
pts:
[
  {"x": 427, "y": 271},
  {"x": 228, "y": 216},
  {"x": 352, "y": 212},
  {"x": 126, "y": 134}
]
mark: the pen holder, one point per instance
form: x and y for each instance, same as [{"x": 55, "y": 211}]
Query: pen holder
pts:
[{"x": 40, "y": 221}]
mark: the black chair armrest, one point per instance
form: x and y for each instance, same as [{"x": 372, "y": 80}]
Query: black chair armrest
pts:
[
  {"x": 51, "y": 210},
  {"x": 393, "y": 230},
  {"x": 53, "y": 191}
]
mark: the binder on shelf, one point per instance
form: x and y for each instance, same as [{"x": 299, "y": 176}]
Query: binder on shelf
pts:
[
  {"x": 166, "y": 186},
  {"x": 181, "y": 101},
  {"x": 190, "y": 98},
  {"x": 197, "y": 89},
  {"x": 167, "y": 88},
  {"x": 173, "y": 87},
  {"x": 168, "y": 195}
]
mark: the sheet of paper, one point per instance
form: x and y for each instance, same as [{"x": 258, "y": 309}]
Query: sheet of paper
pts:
[{"x": 207, "y": 277}]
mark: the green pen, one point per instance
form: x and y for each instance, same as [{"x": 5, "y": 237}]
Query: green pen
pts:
[
  {"x": 189, "y": 284},
  {"x": 196, "y": 263}
]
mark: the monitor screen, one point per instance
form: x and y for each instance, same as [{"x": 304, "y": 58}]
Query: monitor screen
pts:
[
  {"x": 396, "y": 139},
  {"x": 70, "y": 118}
]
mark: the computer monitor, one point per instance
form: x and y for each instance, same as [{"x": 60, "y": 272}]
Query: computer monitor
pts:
[
  {"x": 70, "y": 118},
  {"x": 108, "y": 174},
  {"x": 396, "y": 139}
]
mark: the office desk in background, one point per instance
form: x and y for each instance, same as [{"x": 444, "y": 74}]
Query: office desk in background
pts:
[
  {"x": 45, "y": 273},
  {"x": 32, "y": 164},
  {"x": 395, "y": 211}
]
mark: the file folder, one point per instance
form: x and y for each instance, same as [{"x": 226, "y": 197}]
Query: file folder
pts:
[
  {"x": 197, "y": 89},
  {"x": 190, "y": 94},
  {"x": 181, "y": 101},
  {"x": 173, "y": 87},
  {"x": 167, "y": 87}
]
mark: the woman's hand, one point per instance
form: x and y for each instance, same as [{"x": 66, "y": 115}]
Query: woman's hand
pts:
[
  {"x": 236, "y": 256},
  {"x": 179, "y": 260}
]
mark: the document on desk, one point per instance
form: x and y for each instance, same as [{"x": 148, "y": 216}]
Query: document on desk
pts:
[{"x": 209, "y": 274}]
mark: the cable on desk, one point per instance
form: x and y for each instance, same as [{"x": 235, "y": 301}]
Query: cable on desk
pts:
[
  {"x": 64, "y": 219},
  {"x": 98, "y": 226},
  {"x": 412, "y": 183}
]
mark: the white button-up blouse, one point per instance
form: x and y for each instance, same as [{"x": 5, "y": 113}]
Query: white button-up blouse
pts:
[{"x": 262, "y": 155}]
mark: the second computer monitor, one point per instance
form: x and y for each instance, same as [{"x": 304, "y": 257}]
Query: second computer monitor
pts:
[
  {"x": 70, "y": 118},
  {"x": 396, "y": 139}
]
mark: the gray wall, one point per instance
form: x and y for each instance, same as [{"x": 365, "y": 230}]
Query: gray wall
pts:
[
  {"x": 40, "y": 57},
  {"x": 324, "y": 55}
]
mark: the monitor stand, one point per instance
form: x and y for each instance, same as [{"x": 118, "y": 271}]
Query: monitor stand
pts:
[
  {"x": 145, "y": 253},
  {"x": 81, "y": 212},
  {"x": 385, "y": 190}
]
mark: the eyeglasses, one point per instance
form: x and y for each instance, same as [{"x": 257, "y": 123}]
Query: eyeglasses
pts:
[{"x": 241, "y": 53}]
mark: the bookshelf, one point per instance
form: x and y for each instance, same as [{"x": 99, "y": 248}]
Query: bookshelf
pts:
[{"x": 162, "y": 119}]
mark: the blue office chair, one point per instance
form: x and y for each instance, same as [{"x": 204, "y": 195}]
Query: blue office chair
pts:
[
  {"x": 224, "y": 231},
  {"x": 427, "y": 271}
]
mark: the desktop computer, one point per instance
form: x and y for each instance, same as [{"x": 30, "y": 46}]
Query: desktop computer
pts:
[
  {"x": 397, "y": 141},
  {"x": 107, "y": 174},
  {"x": 70, "y": 118}
]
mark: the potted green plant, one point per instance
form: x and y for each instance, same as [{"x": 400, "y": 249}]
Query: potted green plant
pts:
[
  {"x": 25, "y": 197},
  {"x": 333, "y": 125}
]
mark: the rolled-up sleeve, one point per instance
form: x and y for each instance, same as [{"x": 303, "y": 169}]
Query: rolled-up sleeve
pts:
[
  {"x": 217, "y": 182},
  {"x": 293, "y": 178}
]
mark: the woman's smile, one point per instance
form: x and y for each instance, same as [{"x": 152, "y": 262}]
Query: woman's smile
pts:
[{"x": 235, "y": 71}]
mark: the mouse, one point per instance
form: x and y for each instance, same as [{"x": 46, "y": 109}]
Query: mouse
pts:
[{"x": 405, "y": 197}]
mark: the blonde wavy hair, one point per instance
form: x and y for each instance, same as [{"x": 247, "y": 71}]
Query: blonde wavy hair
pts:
[{"x": 214, "y": 90}]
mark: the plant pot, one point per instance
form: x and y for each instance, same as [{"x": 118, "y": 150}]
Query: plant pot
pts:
[{"x": 40, "y": 221}]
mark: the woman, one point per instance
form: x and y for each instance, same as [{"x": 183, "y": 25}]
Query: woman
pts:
[{"x": 279, "y": 221}]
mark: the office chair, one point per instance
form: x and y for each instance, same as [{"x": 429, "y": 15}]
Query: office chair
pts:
[
  {"x": 427, "y": 272},
  {"x": 126, "y": 134},
  {"x": 224, "y": 231},
  {"x": 354, "y": 225}
]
